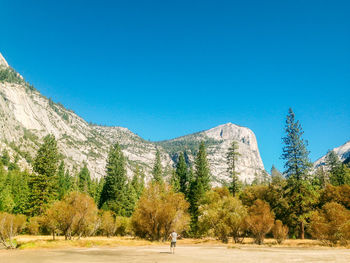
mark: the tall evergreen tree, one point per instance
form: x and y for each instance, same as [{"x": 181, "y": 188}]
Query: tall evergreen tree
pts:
[
  {"x": 295, "y": 153},
  {"x": 182, "y": 174},
  {"x": 20, "y": 191},
  {"x": 299, "y": 190},
  {"x": 339, "y": 173},
  {"x": 138, "y": 181},
  {"x": 5, "y": 158},
  {"x": 275, "y": 172},
  {"x": 231, "y": 159},
  {"x": 64, "y": 181},
  {"x": 46, "y": 160},
  {"x": 198, "y": 187},
  {"x": 175, "y": 181},
  {"x": 114, "y": 193},
  {"x": 43, "y": 183},
  {"x": 157, "y": 169},
  {"x": 84, "y": 180}
]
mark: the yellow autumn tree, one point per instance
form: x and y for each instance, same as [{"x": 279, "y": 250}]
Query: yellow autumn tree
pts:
[{"x": 159, "y": 211}]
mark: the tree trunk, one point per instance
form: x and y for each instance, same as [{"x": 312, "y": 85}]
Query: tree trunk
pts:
[
  {"x": 302, "y": 231},
  {"x": 53, "y": 235}
]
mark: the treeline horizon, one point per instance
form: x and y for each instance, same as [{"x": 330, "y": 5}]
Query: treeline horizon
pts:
[{"x": 300, "y": 202}]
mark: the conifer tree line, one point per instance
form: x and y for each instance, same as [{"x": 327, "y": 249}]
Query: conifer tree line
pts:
[{"x": 296, "y": 203}]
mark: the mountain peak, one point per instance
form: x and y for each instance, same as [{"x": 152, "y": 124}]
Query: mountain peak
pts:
[{"x": 3, "y": 61}]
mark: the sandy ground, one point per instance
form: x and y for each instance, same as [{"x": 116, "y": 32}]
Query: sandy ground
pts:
[{"x": 184, "y": 254}]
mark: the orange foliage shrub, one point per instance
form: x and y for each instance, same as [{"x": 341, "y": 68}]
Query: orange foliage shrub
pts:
[
  {"x": 159, "y": 211},
  {"x": 331, "y": 224},
  {"x": 260, "y": 220},
  {"x": 279, "y": 231}
]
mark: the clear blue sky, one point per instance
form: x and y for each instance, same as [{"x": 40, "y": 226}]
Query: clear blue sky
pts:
[{"x": 168, "y": 68}]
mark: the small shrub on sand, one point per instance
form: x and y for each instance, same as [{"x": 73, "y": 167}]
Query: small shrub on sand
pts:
[
  {"x": 108, "y": 226},
  {"x": 33, "y": 225},
  {"x": 279, "y": 231}
]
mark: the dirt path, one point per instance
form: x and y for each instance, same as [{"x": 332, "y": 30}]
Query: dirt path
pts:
[{"x": 186, "y": 254}]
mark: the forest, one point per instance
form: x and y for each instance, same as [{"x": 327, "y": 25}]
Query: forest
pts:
[{"x": 299, "y": 202}]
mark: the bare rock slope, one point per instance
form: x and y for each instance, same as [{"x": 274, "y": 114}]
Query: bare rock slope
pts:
[
  {"x": 342, "y": 151},
  {"x": 26, "y": 117}
]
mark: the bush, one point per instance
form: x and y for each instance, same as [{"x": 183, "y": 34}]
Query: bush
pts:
[
  {"x": 260, "y": 220},
  {"x": 108, "y": 225},
  {"x": 338, "y": 194},
  {"x": 279, "y": 231},
  {"x": 33, "y": 225},
  {"x": 222, "y": 215},
  {"x": 122, "y": 226},
  {"x": 331, "y": 224},
  {"x": 159, "y": 211},
  {"x": 10, "y": 226},
  {"x": 75, "y": 215}
]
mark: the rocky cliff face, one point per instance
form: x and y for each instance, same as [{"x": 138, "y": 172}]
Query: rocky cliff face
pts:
[
  {"x": 342, "y": 151},
  {"x": 218, "y": 140},
  {"x": 26, "y": 117}
]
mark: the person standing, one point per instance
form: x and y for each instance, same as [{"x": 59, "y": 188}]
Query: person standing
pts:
[{"x": 173, "y": 236}]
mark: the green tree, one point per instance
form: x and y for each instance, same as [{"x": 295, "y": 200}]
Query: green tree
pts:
[
  {"x": 20, "y": 190},
  {"x": 114, "y": 193},
  {"x": 84, "y": 180},
  {"x": 182, "y": 174},
  {"x": 6, "y": 201},
  {"x": 157, "y": 169},
  {"x": 198, "y": 187},
  {"x": 295, "y": 153},
  {"x": 299, "y": 191},
  {"x": 138, "y": 181},
  {"x": 275, "y": 173},
  {"x": 5, "y": 158},
  {"x": 46, "y": 160},
  {"x": 64, "y": 181},
  {"x": 43, "y": 183},
  {"x": 175, "y": 181},
  {"x": 231, "y": 159},
  {"x": 339, "y": 173}
]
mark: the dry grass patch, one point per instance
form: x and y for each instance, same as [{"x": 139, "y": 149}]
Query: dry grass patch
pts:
[{"x": 46, "y": 242}]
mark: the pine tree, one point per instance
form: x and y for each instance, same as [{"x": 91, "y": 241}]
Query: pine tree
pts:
[
  {"x": 114, "y": 193},
  {"x": 182, "y": 174},
  {"x": 46, "y": 160},
  {"x": 43, "y": 184},
  {"x": 6, "y": 201},
  {"x": 157, "y": 169},
  {"x": 299, "y": 191},
  {"x": 198, "y": 187},
  {"x": 294, "y": 151},
  {"x": 84, "y": 180},
  {"x": 132, "y": 199},
  {"x": 202, "y": 172},
  {"x": 5, "y": 158},
  {"x": 63, "y": 184},
  {"x": 275, "y": 172},
  {"x": 175, "y": 181},
  {"x": 138, "y": 181},
  {"x": 20, "y": 191},
  {"x": 231, "y": 159},
  {"x": 339, "y": 174}
]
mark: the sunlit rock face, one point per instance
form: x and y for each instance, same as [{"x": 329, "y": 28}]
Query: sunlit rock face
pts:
[
  {"x": 342, "y": 151},
  {"x": 26, "y": 117}
]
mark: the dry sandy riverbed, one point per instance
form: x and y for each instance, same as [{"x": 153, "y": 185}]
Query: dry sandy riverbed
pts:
[{"x": 184, "y": 254}]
